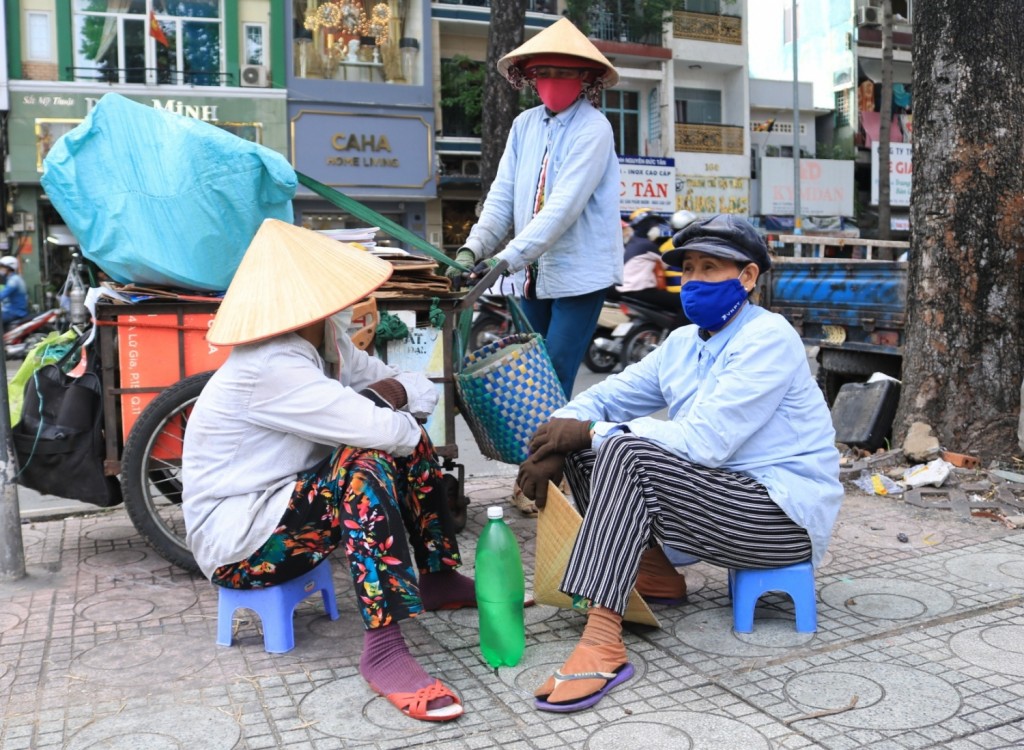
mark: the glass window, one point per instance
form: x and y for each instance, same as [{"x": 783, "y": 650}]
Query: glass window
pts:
[
  {"x": 698, "y": 106},
  {"x": 255, "y": 50},
  {"x": 179, "y": 42},
  {"x": 622, "y": 108},
  {"x": 40, "y": 46},
  {"x": 358, "y": 40}
]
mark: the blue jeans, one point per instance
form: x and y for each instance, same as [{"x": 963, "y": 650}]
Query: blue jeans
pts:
[{"x": 567, "y": 325}]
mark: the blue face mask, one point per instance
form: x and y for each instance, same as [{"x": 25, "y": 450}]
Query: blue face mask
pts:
[{"x": 711, "y": 304}]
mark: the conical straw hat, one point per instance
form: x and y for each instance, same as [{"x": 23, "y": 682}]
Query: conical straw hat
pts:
[
  {"x": 290, "y": 277},
  {"x": 560, "y": 38},
  {"x": 557, "y": 527}
]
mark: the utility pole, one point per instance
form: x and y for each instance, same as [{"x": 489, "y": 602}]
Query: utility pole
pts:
[
  {"x": 885, "y": 122},
  {"x": 12, "y": 548},
  {"x": 797, "y": 220}
]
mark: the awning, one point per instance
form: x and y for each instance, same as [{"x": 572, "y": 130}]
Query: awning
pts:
[
  {"x": 902, "y": 72},
  {"x": 871, "y": 122}
]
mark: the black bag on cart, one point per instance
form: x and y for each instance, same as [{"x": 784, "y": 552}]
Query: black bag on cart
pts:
[{"x": 59, "y": 440}]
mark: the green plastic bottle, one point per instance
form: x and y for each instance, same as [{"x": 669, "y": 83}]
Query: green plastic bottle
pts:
[{"x": 499, "y": 592}]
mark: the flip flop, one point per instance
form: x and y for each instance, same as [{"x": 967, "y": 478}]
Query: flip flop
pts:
[
  {"x": 414, "y": 705},
  {"x": 615, "y": 679}
]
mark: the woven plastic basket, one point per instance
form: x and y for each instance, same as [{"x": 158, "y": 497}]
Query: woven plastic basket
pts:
[{"x": 507, "y": 389}]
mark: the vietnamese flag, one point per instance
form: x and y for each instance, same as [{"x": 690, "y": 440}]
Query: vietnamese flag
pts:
[{"x": 156, "y": 32}]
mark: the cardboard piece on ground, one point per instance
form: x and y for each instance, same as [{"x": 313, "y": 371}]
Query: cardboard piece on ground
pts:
[{"x": 558, "y": 525}]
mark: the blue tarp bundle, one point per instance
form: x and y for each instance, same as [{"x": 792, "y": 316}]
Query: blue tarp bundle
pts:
[{"x": 158, "y": 198}]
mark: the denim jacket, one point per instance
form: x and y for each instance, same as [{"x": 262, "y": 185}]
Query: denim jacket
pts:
[{"x": 577, "y": 236}]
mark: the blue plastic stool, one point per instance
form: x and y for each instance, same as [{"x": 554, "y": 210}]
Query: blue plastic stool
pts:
[
  {"x": 275, "y": 605},
  {"x": 747, "y": 585}
]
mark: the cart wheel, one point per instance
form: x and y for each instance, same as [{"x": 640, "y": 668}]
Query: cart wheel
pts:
[
  {"x": 457, "y": 502},
  {"x": 151, "y": 470}
]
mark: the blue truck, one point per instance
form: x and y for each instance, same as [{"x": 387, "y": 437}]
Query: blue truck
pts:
[{"x": 853, "y": 309}]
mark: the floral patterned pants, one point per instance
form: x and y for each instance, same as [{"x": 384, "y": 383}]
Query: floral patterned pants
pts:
[{"x": 359, "y": 499}]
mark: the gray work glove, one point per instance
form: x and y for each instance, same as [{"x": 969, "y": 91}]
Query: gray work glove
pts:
[{"x": 464, "y": 257}]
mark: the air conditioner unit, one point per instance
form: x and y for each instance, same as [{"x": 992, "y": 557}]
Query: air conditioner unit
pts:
[
  {"x": 869, "y": 16},
  {"x": 470, "y": 168},
  {"x": 869, "y": 3},
  {"x": 254, "y": 75}
]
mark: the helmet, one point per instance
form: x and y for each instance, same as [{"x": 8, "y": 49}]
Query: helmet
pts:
[
  {"x": 681, "y": 218},
  {"x": 10, "y": 262},
  {"x": 643, "y": 216}
]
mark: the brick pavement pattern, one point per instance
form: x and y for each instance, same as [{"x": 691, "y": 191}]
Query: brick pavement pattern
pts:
[{"x": 920, "y": 645}]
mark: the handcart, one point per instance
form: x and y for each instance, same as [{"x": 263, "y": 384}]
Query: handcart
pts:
[{"x": 155, "y": 360}]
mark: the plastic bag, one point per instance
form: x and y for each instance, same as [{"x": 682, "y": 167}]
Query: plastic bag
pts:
[
  {"x": 933, "y": 473},
  {"x": 46, "y": 352},
  {"x": 878, "y": 484},
  {"x": 159, "y": 198}
]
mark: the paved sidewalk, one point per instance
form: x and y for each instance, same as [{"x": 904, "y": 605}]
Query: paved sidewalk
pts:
[{"x": 920, "y": 645}]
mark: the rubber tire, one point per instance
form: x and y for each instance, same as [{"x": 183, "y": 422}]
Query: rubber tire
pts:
[
  {"x": 598, "y": 361},
  {"x": 640, "y": 342},
  {"x": 858, "y": 363},
  {"x": 139, "y": 477},
  {"x": 458, "y": 504},
  {"x": 488, "y": 328}
]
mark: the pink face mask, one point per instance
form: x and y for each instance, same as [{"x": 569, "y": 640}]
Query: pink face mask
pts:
[{"x": 558, "y": 94}]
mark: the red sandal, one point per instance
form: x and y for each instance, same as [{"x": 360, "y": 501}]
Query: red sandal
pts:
[{"x": 414, "y": 705}]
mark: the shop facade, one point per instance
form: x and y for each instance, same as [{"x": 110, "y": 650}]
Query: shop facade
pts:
[{"x": 361, "y": 109}]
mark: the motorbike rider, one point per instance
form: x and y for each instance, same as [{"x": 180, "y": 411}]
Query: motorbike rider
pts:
[
  {"x": 642, "y": 261},
  {"x": 14, "y": 295}
]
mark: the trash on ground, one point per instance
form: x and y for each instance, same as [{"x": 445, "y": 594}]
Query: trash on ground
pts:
[
  {"x": 878, "y": 484},
  {"x": 903, "y": 537},
  {"x": 933, "y": 473},
  {"x": 1009, "y": 476}
]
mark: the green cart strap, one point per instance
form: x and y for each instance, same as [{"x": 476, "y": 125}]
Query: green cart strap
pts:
[{"x": 373, "y": 218}]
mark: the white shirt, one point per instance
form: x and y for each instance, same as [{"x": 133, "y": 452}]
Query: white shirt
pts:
[{"x": 269, "y": 413}]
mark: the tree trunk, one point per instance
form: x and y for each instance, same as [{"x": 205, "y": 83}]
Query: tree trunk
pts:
[
  {"x": 965, "y": 329},
  {"x": 885, "y": 125},
  {"x": 501, "y": 101}
]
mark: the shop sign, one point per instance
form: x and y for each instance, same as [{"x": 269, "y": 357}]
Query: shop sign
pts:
[
  {"x": 901, "y": 173},
  {"x": 826, "y": 187},
  {"x": 373, "y": 151},
  {"x": 647, "y": 182},
  {"x": 709, "y": 194}
]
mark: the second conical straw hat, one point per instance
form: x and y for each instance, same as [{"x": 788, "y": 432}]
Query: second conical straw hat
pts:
[
  {"x": 560, "y": 38},
  {"x": 290, "y": 277},
  {"x": 558, "y": 525}
]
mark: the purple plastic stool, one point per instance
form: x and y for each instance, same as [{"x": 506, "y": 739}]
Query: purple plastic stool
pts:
[
  {"x": 275, "y": 605},
  {"x": 747, "y": 585}
]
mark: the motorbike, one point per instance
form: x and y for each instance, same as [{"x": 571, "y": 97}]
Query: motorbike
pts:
[
  {"x": 493, "y": 321},
  {"x": 605, "y": 348},
  {"x": 22, "y": 336},
  {"x": 648, "y": 327}
]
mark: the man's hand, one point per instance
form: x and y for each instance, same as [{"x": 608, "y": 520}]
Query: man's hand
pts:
[
  {"x": 464, "y": 257},
  {"x": 535, "y": 474},
  {"x": 560, "y": 435}
]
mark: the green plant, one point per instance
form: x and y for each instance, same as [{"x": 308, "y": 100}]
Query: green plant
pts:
[{"x": 462, "y": 83}]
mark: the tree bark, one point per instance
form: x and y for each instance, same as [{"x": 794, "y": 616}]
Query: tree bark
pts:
[
  {"x": 500, "y": 100},
  {"x": 964, "y": 344}
]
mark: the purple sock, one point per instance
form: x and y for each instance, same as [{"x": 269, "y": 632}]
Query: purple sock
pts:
[
  {"x": 447, "y": 589},
  {"x": 389, "y": 667}
]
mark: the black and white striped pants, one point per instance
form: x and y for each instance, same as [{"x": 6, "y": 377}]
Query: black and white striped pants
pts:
[{"x": 633, "y": 492}]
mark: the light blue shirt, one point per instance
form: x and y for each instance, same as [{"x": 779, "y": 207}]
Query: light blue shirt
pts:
[
  {"x": 745, "y": 401},
  {"x": 577, "y": 236}
]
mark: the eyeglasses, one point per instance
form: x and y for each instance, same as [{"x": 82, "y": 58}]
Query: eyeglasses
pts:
[{"x": 551, "y": 71}]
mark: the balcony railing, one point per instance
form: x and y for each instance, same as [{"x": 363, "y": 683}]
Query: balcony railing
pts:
[
  {"x": 709, "y": 139},
  {"x": 707, "y": 27},
  {"x": 535, "y": 6},
  {"x": 160, "y": 76}
]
